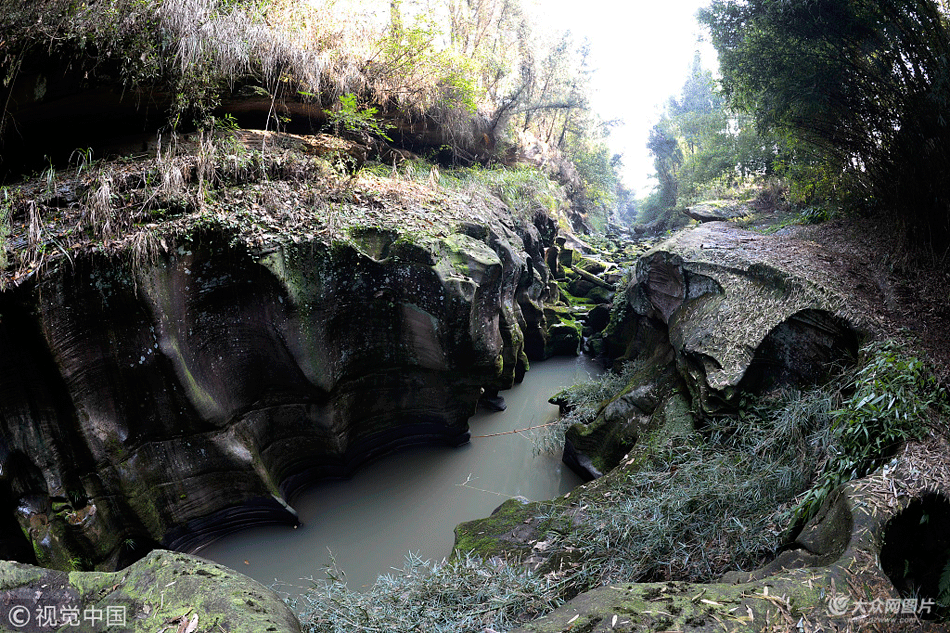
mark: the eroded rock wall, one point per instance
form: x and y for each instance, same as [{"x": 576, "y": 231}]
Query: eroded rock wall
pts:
[
  {"x": 718, "y": 313},
  {"x": 163, "y": 403}
]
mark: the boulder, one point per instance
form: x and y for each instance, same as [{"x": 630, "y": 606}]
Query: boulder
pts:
[
  {"x": 165, "y": 591},
  {"x": 717, "y": 210},
  {"x": 564, "y": 334},
  {"x": 622, "y": 422},
  {"x": 598, "y": 317},
  {"x": 743, "y": 312},
  {"x": 715, "y": 313}
]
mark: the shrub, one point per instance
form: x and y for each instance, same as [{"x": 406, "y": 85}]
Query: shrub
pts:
[
  {"x": 894, "y": 397},
  {"x": 464, "y": 594}
]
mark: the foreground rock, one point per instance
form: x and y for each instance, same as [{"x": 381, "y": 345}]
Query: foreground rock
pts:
[{"x": 165, "y": 591}]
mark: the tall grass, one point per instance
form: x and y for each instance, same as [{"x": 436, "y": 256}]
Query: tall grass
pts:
[
  {"x": 6, "y": 211},
  {"x": 893, "y": 397},
  {"x": 526, "y": 191},
  {"x": 706, "y": 504}
]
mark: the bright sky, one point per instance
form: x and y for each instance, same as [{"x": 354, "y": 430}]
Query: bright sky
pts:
[{"x": 642, "y": 50}]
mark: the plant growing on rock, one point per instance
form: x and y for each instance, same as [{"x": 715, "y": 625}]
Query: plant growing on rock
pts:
[
  {"x": 361, "y": 122},
  {"x": 6, "y": 209},
  {"x": 894, "y": 397},
  {"x": 465, "y": 594}
]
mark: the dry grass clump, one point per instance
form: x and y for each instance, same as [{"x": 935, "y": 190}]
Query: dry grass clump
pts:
[
  {"x": 298, "y": 188},
  {"x": 99, "y": 212},
  {"x": 702, "y": 505}
]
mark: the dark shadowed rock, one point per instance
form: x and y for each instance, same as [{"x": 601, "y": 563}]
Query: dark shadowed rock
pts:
[{"x": 166, "y": 403}]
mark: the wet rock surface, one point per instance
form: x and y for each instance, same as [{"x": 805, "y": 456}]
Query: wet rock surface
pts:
[{"x": 163, "y": 403}]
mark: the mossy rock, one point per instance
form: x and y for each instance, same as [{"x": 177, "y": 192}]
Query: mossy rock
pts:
[
  {"x": 680, "y": 606},
  {"x": 651, "y": 400},
  {"x": 564, "y": 332},
  {"x": 592, "y": 266},
  {"x": 570, "y": 298},
  {"x": 509, "y": 532},
  {"x": 163, "y": 591},
  {"x": 599, "y": 294}
]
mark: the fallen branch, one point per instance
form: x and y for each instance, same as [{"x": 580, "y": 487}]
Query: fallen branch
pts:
[
  {"x": 594, "y": 279},
  {"x": 530, "y": 428}
]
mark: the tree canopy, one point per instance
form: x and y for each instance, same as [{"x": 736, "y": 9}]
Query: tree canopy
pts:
[
  {"x": 700, "y": 142},
  {"x": 862, "y": 86},
  {"x": 476, "y": 72}
]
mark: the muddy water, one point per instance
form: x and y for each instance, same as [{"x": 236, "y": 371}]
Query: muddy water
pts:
[{"x": 412, "y": 500}]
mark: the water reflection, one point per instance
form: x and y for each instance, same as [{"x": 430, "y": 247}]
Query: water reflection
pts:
[{"x": 411, "y": 501}]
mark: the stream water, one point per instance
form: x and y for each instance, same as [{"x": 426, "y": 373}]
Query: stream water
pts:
[{"x": 411, "y": 501}]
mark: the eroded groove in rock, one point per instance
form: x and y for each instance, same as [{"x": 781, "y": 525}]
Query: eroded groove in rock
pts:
[
  {"x": 170, "y": 402},
  {"x": 713, "y": 314}
]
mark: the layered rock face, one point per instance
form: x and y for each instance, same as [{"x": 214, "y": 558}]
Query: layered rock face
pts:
[
  {"x": 163, "y": 403},
  {"x": 711, "y": 314}
]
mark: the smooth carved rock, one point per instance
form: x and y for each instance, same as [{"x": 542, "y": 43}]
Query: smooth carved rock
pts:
[
  {"x": 165, "y": 591},
  {"x": 741, "y": 312},
  {"x": 714, "y": 312},
  {"x": 163, "y": 404}
]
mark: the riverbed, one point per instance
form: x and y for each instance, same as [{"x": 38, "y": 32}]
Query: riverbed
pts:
[{"x": 411, "y": 501}]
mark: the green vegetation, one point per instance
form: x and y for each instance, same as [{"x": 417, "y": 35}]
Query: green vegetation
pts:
[
  {"x": 361, "y": 122},
  {"x": 6, "y": 207},
  {"x": 857, "y": 90},
  {"x": 476, "y": 74},
  {"x": 464, "y": 594},
  {"x": 525, "y": 190},
  {"x": 690, "y": 507},
  {"x": 894, "y": 397},
  {"x": 702, "y": 149},
  {"x": 252, "y": 186}
]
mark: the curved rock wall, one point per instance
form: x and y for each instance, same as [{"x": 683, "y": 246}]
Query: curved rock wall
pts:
[
  {"x": 742, "y": 311},
  {"x": 165, "y": 403},
  {"x": 714, "y": 313}
]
